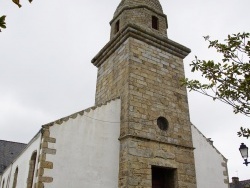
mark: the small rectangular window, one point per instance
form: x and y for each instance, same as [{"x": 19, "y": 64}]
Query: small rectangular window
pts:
[
  {"x": 117, "y": 26},
  {"x": 155, "y": 23}
]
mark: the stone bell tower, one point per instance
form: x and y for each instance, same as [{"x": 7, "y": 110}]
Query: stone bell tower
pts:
[{"x": 143, "y": 67}]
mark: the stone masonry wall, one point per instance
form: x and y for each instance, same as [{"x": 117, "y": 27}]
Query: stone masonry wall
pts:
[
  {"x": 44, "y": 164},
  {"x": 143, "y": 18},
  {"x": 155, "y": 4},
  {"x": 138, "y": 156},
  {"x": 112, "y": 80},
  {"x": 148, "y": 81}
]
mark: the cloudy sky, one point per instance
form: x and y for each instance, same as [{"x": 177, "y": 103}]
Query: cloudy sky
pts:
[{"x": 46, "y": 73}]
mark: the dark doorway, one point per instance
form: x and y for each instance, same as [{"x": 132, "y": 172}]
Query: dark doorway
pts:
[{"x": 163, "y": 177}]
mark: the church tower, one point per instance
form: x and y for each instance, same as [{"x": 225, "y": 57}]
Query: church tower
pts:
[{"x": 143, "y": 67}]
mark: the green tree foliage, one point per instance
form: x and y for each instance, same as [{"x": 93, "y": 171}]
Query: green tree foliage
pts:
[
  {"x": 245, "y": 132},
  {"x": 17, "y": 2},
  {"x": 2, "y": 18},
  {"x": 228, "y": 80},
  {"x": 2, "y": 23}
]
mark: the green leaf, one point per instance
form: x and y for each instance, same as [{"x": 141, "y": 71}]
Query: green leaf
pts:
[
  {"x": 17, "y": 3},
  {"x": 2, "y": 22},
  {"x": 227, "y": 80}
]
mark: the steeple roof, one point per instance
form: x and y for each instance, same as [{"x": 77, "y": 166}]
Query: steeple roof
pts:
[{"x": 153, "y": 4}]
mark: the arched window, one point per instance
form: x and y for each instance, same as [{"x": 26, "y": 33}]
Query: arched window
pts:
[
  {"x": 155, "y": 23},
  {"x": 15, "y": 178},
  {"x": 3, "y": 184},
  {"x": 32, "y": 165}
]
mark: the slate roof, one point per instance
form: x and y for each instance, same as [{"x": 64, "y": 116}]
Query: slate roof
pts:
[
  {"x": 8, "y": 152},
  {"x": 240, "y": 184}
]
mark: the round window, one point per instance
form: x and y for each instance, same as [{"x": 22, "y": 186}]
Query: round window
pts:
[{"x": 162, "y": 123}]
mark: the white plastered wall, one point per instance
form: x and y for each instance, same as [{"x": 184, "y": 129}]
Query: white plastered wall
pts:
[
  {"x": 6, "y": 176},
  {"x": 210, "y": 173},
  {"x": 22, "y": 162},
  {"x": 87, "y": 150}
]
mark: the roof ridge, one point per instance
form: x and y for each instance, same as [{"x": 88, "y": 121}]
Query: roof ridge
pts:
[
  {"x": 12, "y": 142},
  {"x": 209, "y": 142},
  {"x": 74, "y": 115}
]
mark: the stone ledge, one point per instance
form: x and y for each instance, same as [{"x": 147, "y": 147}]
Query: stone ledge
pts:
[
  {"x": 152, "y": 140},
  {"x": 150, "y": 38}
]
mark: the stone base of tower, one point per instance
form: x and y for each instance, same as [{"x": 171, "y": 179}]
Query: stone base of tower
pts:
[{"x": 139, "y": 157}]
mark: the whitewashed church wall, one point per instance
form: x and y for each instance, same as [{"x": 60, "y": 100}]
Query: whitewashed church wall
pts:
[
  {"x": 87, "y": 150},
  {"x": 209, "y": 163},
  {"x": 22, "y": 162},
  {"x": 5, "y": 176}
]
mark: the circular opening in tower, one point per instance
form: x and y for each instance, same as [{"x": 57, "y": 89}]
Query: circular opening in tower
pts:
[{"x": 162, "y": 123}]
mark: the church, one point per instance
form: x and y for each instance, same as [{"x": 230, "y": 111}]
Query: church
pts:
[{"x": 138, "y": 134}]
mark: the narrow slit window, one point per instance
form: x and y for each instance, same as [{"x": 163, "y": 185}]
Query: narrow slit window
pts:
[
  {"x": 15, "y": 178},
  {"x": 117, "y": 26},
  {"x": 155, "y": 23},
  {"x": 32, "y": 165},
  {"x": 3, "y": 184}
]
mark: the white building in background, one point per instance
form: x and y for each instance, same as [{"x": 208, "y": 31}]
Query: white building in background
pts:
[
  {"x": 210, "y": 164},
  {"x": 139, "y": 133}
]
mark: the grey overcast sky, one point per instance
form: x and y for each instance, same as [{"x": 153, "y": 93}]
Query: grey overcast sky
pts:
[{"x": 46, "y": 73}]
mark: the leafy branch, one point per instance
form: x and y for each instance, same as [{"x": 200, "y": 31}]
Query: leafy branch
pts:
[
  {"x": 245, "y": 132},
  {"x": 17, "y": 2},
  {"x": 2, "y": 18},
  {"x": 228, "y": 80},
  {"x": 2, "y": 23}
]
